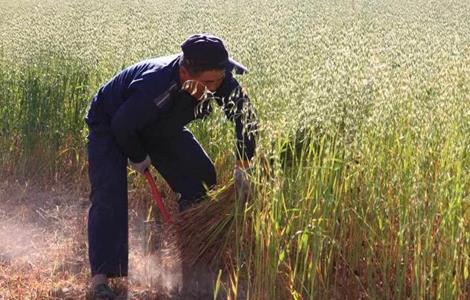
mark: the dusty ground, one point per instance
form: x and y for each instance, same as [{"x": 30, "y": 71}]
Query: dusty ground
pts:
[{"x": 43, "y": 250}]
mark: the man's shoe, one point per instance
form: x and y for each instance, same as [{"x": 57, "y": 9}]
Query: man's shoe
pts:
[{"x": 102, "y": 292}]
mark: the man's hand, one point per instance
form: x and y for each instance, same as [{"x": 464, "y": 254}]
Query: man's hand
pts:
[
  {"x": 195, "y": 89},
  {"x": 242, "y": 184},
  {"x": 141, "y": 166}
]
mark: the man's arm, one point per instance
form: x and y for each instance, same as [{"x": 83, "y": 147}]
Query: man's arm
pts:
[
  {"x": 237, "y": 107},
  {"x": 132, "y": 116}
]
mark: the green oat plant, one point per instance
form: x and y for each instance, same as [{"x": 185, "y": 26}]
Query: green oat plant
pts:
[{"x": 362, "y": 176}]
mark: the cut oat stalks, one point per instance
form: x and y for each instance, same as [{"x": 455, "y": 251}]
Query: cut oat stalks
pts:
[{"x": 207, "y": 232}]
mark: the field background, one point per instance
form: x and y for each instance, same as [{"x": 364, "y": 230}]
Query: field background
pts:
[{"x": 362, "y": 182}]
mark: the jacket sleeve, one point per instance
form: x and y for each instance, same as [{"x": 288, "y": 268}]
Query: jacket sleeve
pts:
[
  {"x": 238, "y": 109},
  {"x": 137, "y": 111}
]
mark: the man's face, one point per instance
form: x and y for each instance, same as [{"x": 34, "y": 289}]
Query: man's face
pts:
[
  {"x": 197, "y": 84},
  {"x": 211, "y": 79}
]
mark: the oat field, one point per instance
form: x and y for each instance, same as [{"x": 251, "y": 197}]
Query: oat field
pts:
[{"x": 362, "y": 175}]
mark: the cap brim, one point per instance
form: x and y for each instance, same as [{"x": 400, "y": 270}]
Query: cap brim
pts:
[{"x": 237, "y": 67}]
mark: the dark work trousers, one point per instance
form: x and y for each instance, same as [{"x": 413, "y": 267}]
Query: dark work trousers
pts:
[
  {"x": 185, "y": 165},
  {"x": 107, "y": 217},
  {"x": 180, "y": 160}
]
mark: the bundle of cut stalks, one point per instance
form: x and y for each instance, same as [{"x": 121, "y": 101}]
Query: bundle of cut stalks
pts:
[{"x": 206, "y": 232}]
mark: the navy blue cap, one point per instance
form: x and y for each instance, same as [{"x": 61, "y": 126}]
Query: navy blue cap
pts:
[
  {"x": 205, "y": 50},
  {"x": 208, "y": 52}
]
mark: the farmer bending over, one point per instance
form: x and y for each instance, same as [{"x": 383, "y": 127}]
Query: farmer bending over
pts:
[{"x": 140, "y": 116}]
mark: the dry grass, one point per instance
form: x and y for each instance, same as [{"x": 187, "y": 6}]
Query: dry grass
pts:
[
  {"x": 205, "y": 230},
  {"x": 43, "y": 254}
]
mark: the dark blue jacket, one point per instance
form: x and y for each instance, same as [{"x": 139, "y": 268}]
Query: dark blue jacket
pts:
[{"x": 145, "y": 102}]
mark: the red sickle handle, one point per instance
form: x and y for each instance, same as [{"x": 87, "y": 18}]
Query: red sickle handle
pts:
[{"x": 158, "y": 198}]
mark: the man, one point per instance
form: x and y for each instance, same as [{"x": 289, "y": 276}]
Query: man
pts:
[{"x": 140, "y": 116}]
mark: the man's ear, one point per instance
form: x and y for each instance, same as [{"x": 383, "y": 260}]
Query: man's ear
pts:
[{"x": 184, "y": 74}]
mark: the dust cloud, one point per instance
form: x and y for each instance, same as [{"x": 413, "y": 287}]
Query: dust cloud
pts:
[
  {"x": 43, "y": 245},
  {"x": 21, "y": 243}
]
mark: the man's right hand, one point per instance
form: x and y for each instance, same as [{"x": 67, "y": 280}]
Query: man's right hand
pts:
[
  {"x": 195, "y": 89},
  {"x": 141, "y": 166}
]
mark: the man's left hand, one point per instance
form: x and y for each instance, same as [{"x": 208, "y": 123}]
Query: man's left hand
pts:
[{"x": 242, "y": 183}]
